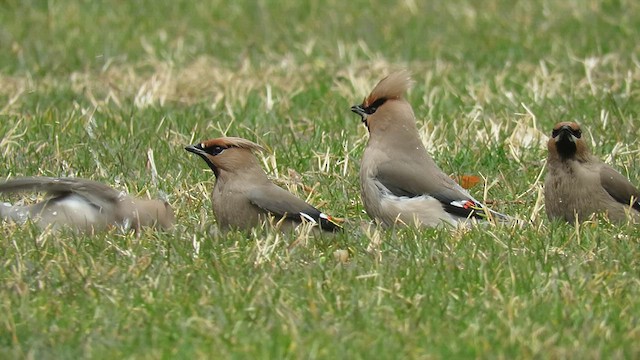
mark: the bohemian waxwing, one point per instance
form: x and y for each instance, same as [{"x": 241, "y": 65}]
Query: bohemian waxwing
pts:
[
  {"x": 399, "y": 182},
  {"x": 243, "y": 196},
  {"x": 85, "y": 205},
  {"x": 578, "y": 184}
]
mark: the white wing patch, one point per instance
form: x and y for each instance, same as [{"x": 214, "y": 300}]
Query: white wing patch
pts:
[
  {"x": 464, "y": 204},
  {"x": 309, "y": 218}
]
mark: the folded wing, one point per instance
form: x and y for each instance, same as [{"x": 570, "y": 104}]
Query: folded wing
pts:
[{"x": 283, "y": 204}]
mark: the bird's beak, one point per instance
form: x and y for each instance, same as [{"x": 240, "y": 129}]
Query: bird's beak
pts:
[
  {"x": 196, "y": 149},
  {"x": 358, "y": 109},
  {"x": 565, "y": 133}
]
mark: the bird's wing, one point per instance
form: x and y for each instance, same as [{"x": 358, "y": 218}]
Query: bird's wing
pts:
[
  {"x": 282, "y": 203},
  {"x": 619, "y": 187},
  {"x": 414, "y": 180},
  {"x": 97, "y": 194}
]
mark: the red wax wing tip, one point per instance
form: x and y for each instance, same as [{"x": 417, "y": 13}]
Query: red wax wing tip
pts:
[{"x": 468, "y": 204}]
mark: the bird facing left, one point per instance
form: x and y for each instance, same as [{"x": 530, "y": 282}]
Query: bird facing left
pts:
[
  {"x": 84, "y": 205},
  {"x": 400, "y": 184},
  {"x": 243, "y": 196}
]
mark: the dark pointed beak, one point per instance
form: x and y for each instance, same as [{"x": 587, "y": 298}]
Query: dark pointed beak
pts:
[
  {"x": 565, "y": 132},
  {"x": 358, "y": 109},
  {"x": 196, "y": 149}
]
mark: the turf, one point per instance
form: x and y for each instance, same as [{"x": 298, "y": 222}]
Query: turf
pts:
[{"x": 113, "y": 91}]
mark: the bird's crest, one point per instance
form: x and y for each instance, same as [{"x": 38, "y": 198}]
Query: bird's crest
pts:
[
  {"x": 227, "y": 142},
  {"x": 394, "y": 86}
]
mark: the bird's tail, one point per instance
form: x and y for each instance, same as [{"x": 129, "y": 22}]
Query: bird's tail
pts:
[
  {"x": 330, "y": 223},
  {"x": 500, "y": 218}
]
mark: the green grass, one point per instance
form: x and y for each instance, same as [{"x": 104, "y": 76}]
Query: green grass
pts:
[{"x": 88, "y": 88}]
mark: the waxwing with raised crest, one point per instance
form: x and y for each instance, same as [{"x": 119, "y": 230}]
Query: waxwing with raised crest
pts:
[{"x": 399, "y": 181}]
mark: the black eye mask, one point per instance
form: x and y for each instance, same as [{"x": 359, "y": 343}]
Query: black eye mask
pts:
[
  {"x": 213, "y": 150},
  {"x": 577, "y": 133},
  {"x": 374, "y": 106}
]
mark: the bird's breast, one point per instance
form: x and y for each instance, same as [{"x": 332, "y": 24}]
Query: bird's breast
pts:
[{"x": 232, "y": 208}]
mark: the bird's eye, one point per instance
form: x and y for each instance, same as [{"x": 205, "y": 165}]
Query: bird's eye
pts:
[
  {"x": 577, "y": 133},
  {"x": 214, "y": 150},
  {"x": 374, "y": 106}
]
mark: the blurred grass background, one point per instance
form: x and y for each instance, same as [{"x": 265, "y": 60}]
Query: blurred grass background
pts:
[{"x": 91, "y": 88}]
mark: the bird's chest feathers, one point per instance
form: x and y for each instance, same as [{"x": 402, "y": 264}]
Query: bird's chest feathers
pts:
[
  {"x": 576, "y": 173},
  {"x": 574, "y": 180},
  {"x": 370, "y": 160},
  {"x": 369, "y": 168},
  {"x": 230, "y": 201},
  {"x": 228, "y": 192}
]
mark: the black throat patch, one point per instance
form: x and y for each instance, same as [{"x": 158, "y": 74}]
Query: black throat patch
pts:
[{"x": 566, "y": 147}]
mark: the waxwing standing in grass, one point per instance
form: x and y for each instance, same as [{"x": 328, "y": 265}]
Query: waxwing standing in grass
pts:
[
  {"x": 84, "y": 205},
  {"x": 243, "y": 196},
  {"x": 399, "y": 182},
  {"x": 578, "y": 184}
]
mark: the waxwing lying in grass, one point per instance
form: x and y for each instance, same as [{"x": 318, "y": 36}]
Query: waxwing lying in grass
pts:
[{"x": 85, "y": 205}]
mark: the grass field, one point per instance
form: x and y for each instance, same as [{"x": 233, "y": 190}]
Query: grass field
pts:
[{"x": 97, "y": 89}]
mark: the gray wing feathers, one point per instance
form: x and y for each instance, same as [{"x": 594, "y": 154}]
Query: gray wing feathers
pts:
[
  {"x": 416, "y": 181},
  {"x": 618, "y": 186},
  {"x": 96, "y": 193},
  {"x": 280, "y": 202}
]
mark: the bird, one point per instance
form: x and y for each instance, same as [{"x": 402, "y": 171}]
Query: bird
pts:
[
  {"x": 578, "y": 184},
  {"x": 400, "y": 184},
  {"x": 84, "y": 205},
  {"x": 243, "y": 196}
]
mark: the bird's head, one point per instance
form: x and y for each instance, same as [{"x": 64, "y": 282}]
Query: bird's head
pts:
[
  {"x": 566, "y": 141},
  {"x": 386, "y": 101},
  {"x": 227, "y": 153}
]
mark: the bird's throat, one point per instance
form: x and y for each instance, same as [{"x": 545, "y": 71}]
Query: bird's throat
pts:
[{"x": 566, "y": 148}]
